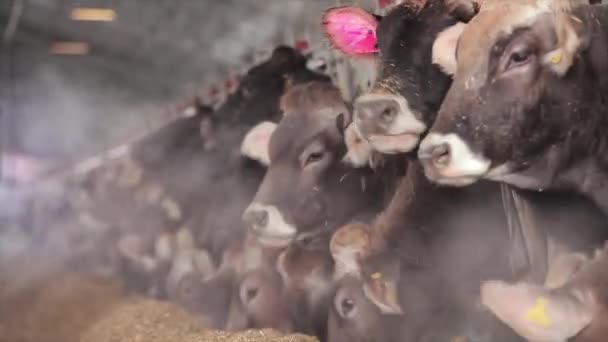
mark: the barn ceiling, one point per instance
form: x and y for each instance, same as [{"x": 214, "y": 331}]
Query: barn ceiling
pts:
[{"x": 180, "y": 41}]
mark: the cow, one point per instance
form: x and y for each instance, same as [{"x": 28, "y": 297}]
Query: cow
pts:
[
  {"x": 571, "y": 306},
  {"x": 385, "y": 297},
  {"x": 526, "y": 105},
  {"x": 168, "y": 181},
  {"x": 528, "y": 212},
  {"x": 408, "y": 89},
  {"x": 310, "y": 186},
  {"x": 306, "y": 269}
]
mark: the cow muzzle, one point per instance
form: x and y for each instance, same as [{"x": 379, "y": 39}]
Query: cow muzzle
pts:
[
  {"x": 448, "y": 160},
  {"x": 268, "y": 225},
  {"x": 388, "y": 123}
]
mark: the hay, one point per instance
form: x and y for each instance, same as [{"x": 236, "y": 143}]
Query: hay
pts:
[{"x": 68, "y": 307}]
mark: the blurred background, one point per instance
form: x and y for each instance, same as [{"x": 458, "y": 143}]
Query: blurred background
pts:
[{"x": 74, "y": 81}]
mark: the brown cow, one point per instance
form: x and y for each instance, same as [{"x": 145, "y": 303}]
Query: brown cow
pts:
[
  {"x": 309, "y": 187},
  {"x": 385, "y": 297},
  {"x": 527, "y": 103}
]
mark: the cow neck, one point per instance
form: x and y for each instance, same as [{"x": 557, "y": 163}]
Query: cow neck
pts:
[
  {"x": 406, "y": 214},
  {"x": 587, "y": 176}
]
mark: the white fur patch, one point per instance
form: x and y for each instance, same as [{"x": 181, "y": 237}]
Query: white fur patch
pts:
[
  {"x": 185, "y": 239},
  {"x": 394, "y": 144},
  {"x": 358, "y": 149},
  {"x": 189, "y": 112},
  {"x": 277, "y": 230},
  {"x": 405, "y": 121},
  {"x": 256, "y": 141},
  {"x": 444, "y": 48},
  {"x": 346, "y": 262},
  {"x": 163, "y": 248},
  {"x": 463, "y": 162}
]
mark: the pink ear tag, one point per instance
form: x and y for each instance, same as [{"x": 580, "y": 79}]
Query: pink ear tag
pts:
[{"x": 352, "y": 30}]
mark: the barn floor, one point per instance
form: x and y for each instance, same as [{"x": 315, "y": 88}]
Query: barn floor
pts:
[{"x": 42, "y": 302}]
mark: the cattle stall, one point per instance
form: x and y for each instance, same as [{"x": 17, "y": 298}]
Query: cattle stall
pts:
[{"x": 248, "y": 170}]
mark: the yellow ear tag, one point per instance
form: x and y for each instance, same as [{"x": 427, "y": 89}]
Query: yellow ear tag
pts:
[
  {"x": 376, "y": 276},
  {"x": 556, "y": 57},
  {"x": 538, "y": 314}
]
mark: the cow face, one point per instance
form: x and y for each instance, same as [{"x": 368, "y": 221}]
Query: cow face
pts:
[
  {"x": 307, "y": 187},
  {"x": 387, "y": 302},
  {"x": 258, "y": 303},
  {"x": 516, "y": 93},
  {"x": 306, "y": 270},
  {"x": 353, "y": 317},
  {"x": 409, "y": 88}
]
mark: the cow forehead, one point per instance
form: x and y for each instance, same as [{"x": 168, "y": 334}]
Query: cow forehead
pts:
[
  {"x": 496, "y": 20},
  {"x": 296, "y": 129}
]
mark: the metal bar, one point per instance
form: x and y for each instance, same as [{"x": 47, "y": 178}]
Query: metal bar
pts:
[{"x": 6, "y": 96}]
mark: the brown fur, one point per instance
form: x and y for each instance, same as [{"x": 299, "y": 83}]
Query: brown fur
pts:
[{"x": 311, "y": 97}]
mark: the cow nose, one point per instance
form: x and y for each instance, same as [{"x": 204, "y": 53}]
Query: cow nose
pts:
[
  {"x": 373, "y": 113},
  {"x": 437, "y": 155},
  {"x": 256, "y": 217}
]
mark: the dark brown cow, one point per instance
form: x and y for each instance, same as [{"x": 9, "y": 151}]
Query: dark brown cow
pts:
[
  {"x": 409, "y": 88},
  {"x": 571, "y": 309},
  {"x": 527, "y": 103}
]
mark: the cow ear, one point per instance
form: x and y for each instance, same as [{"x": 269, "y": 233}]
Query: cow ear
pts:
[
  {"x": 562, "y": 268},
  {"x": 351, "y": 30},
  {"x": 444, "y": 48},
  {"x": 256, "y": 141},
  {"x": 287, "y": 56},
  {"x": 383, "y": 293},
  {"x": 570, "y": 40},
  {"x": 536, "y": 313}
]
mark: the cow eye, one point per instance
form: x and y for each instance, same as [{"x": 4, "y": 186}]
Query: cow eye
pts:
[
  {"x": 347, "y": 307},
  {"x": 518, "y": 58},
  {"x": 314, "y": 157}
]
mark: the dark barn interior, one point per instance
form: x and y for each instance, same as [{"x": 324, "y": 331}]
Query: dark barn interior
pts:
[{"x": 262, "y": 170}]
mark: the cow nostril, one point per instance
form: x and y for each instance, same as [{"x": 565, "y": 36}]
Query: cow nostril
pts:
[
  {"x": 251, "y": 293},
  {"x": 388, "y": 114},
  {"x": 441, "y": 155},
  {"x": 256, "y": 217},
  {"x": 348, "y": 305}
]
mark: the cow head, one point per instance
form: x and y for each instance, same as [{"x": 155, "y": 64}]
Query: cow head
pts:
[
  {"x": 377, "y": 297},
  {"x": 258, "y": 303},
  {"x": 307, "y": 187},
  {"x": 520, "y": 85},
  {"x": 306, "y": 270},
  {"x": 386, "y": 302},
  {"x": 258, "y": 94},
  {"x": 409, "y": 87},
  {"x": 191, "y": 132}
]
